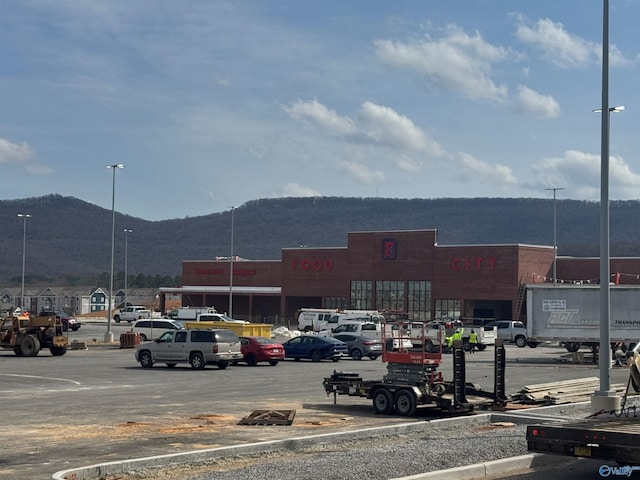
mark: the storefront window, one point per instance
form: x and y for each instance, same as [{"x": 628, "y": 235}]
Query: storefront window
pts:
[
  {"x": 447, "y": 309},
  {"x": 390, "y": 295},
  {"x": 335, "y": 302},
  {"x": 361, "y": 295},
  {"x": 419, "y": 300}
]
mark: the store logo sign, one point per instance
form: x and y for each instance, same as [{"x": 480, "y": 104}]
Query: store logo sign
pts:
[{"x": 389, "y": 249}]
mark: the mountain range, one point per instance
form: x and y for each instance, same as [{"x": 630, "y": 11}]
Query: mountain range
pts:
[{"x": 67, "y": 237}]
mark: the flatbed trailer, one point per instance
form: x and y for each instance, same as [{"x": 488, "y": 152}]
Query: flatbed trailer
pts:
[
  {"x": 413, "y": 380},
  {"x": 605, "y": 437}
]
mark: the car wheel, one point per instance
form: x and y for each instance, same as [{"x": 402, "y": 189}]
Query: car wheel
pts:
[
  {"x": 382, "y": 401},
  {"x": 335, "y": 359},
  {"x": 521, "y": 342},
  {"x": 143, "y": 337},
  {"x": 315, "y": 356},
  {"x": 196, "y": 361},
  {"x": 356, "y": 354},
  {"x": 222, "y": 364},
  {"x": 252, "y": 360},
  {"x": 117, "y": 318},
  {"x": 171, "y": 365},
  {"x": 481, "y": 346},
  {"x": 145, "y": 359},
  {"x": 75, "y": 329},
  {"x": 428, "y": 346},
  {"x": 405, "y": 403},
  {"x": 373, "y": 357},
  {"x": 273, "y": 363},
  {"x": 297, "y": 359}
]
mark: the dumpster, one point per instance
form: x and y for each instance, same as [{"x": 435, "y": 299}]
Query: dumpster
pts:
[{"x": 240, "y": 329}]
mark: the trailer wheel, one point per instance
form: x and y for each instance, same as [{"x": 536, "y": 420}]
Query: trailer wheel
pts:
[
  {"x": 572, "y": 347},
  {"x": 382, "y": 401},
  {"x": 635, "y": 378},
  {"x": 29, "y": 346},
  {"x": 57, "y": 351},
  {"x": 405, "y": 403}
]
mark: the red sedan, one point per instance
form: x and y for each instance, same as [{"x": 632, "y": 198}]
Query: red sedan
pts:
[{"x": 261, "y": 349}]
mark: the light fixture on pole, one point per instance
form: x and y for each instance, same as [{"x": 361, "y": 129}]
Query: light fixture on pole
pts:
[
  {"x": 555, "y": 243},
  {"x": 24, "y": 216},
  {"x": 126, "y": 263},
  {"x": 108, "y": 336},
  {"x": 231, "y": 269}
]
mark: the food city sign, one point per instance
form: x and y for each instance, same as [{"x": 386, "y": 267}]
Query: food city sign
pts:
[
  {"x": 312, "y": 264},
  {"x": 476, "y": 263}
]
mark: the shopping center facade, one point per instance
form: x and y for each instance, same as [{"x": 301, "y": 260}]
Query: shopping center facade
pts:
[{"x": 403, "y": 271}]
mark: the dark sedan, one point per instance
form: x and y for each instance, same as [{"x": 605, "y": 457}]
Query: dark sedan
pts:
[
  {"x": 315, "y": 347},
  {"x": 361, "y": 346}
]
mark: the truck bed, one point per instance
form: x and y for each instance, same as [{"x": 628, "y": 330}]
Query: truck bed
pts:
[{"x": 605, "y": 437}]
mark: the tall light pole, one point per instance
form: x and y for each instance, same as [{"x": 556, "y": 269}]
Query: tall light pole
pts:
[
  {"x": 126, "y": 263},
  {"x": 231, "y": 269},
  {"x": 108, "y": 336},
  {"x": 605, "y": 398},
  {"x": 24, "y": 256},
  {"x": 555, "y": 243}
]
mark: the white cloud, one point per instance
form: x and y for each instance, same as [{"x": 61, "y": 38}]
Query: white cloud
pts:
[
  {"x": 297, "y": 190},
  {"x": 541, "y": 105},
  {"x": 562, "y": 48},
  {"x": 321, "y": 116},
  {"x": 386, "y": 126},
  {"x": 457, "y": 61},
  {"x": 579, "y": 173},
  {"x": 474, "y": 169},
  {"x": 362, "y": 172},
  {"x": 22, "y": 155}
]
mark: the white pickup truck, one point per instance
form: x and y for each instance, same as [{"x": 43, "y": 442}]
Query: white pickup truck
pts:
[{"x": 131, "y": 314}]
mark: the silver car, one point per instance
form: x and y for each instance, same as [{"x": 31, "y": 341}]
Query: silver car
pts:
[
  {"x": 197, "y": 347},
  {"x": 360, "y": 346}
]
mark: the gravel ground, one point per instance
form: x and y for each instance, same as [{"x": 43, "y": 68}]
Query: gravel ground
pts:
[{"x": 375, "y": 458}]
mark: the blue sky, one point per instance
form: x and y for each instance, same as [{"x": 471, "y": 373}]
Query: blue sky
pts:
[{"x": 210, "y": 104}]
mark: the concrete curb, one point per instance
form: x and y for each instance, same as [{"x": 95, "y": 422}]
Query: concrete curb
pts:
[
  {"x": 490, "y": 469},
  {"x": 481, "y": 470}
]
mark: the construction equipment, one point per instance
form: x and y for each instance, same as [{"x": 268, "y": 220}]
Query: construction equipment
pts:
[
  {"x": 26, "y": 335},
  {"x": 413, "y": 378}
]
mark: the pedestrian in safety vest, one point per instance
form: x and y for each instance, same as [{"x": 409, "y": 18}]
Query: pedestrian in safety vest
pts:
[{"x": 473, "y": 341}]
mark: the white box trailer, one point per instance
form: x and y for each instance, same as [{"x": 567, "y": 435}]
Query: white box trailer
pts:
[{"x": 571, "y": 314}]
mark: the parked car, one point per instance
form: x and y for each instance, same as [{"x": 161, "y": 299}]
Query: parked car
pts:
[
  {"x": 261, "y": 349},
  {"x": 196, "y": 347},
  {"x": 151, "y": 329},
  {"x": 360, "y": 346},
  {"x": 315, "y": 347},
  {"x": 68, "y": 321}
]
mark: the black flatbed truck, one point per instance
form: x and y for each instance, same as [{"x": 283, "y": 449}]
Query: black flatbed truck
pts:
[{"x": 605, "y": 437}]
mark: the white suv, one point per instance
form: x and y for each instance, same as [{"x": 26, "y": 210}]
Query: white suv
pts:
[
  {"x": 198, "y": 347},
  {"x": 150, "y": 329}
]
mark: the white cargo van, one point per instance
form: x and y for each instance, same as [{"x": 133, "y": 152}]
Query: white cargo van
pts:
[{"x": 315, "y": 319}]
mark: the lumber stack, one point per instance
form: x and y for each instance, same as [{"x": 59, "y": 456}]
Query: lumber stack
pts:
[{"x": 566, "y": 391}]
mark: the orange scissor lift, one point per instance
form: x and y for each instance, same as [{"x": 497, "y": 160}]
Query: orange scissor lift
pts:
[{"x": 413, "y": 354}]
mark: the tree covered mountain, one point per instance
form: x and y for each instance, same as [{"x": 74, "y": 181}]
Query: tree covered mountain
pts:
[{"x": 69, "y": 240}]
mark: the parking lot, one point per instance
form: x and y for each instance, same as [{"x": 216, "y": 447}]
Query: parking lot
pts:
[{"x": 98, "y": 405}]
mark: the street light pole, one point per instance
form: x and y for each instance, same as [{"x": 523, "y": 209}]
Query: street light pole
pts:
[
  {"x": 24, "y": 250},
  {"x": 231, "y": 269},
  {"x": 555, "y": 243},
  {"x": 126, "y": 263},
  {"x": 108, "y": 336}
]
